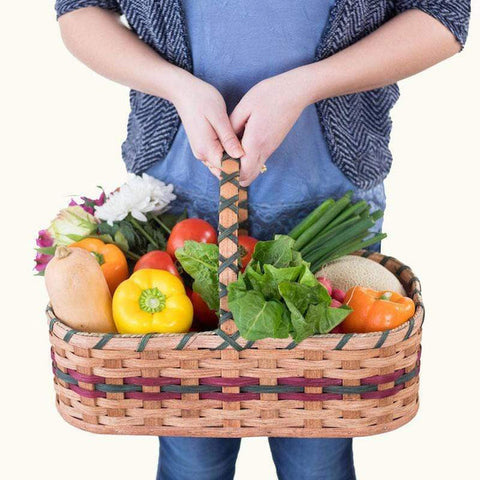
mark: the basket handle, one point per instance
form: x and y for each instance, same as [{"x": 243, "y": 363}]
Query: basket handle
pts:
[{"x": 232, "y": 218}]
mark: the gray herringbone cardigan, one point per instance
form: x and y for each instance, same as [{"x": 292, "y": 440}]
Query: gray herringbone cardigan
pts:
[{"x": 357, "y": 127}]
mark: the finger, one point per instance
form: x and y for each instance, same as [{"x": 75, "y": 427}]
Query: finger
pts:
[
  {"x": 238, "y": 119},
  {"x": 205, "y": 144},
  {"x": 227, "y": 137}
]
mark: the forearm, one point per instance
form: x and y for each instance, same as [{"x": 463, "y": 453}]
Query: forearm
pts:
[
  {"x": 404, "y": 46},
  {"x": 99, "y": 40}
]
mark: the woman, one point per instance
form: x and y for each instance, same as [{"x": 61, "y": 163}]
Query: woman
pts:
[{"x": 305, "y": 87}]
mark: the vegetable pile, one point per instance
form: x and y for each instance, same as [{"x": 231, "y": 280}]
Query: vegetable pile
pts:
[
  {"x": 335, "y": 229},
  {"x": 120, "y": 263}
]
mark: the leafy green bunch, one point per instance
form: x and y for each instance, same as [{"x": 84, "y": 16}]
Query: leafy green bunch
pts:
[{"x": 276, "y": 297}]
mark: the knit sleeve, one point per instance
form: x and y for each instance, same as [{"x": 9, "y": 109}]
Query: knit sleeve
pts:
[
  {"x": 454, "y": 14},
  {"x": 65, "y": 6}
]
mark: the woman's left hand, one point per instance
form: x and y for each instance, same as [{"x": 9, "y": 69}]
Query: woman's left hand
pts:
[{"x": 265, "y": 115}]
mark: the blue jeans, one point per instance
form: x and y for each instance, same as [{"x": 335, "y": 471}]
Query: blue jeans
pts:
[{"x": 295, "y": 458}]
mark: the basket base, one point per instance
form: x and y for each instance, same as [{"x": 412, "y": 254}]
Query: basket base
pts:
[{"x": 216, "y": 432}]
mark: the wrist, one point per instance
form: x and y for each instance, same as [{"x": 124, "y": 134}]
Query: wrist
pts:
[
  {"x": 175, "y": 85},
  {"x": 311, "y": 83}
]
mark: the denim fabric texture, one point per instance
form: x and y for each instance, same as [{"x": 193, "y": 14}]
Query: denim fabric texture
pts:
[
  {"x": 294, "y": 458},
  {"x": 356, "y": 127},
  {"x": 300, "y": 173}
]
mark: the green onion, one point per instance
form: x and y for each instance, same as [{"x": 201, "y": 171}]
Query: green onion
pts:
[
  {"x": 348, "y": 249},
  {"x": 313, "y": 217},
  {"x": 311, "y": 232}
]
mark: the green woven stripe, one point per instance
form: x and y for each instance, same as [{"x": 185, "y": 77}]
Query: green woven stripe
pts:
[
  {"x": 412, "y": 281},
  {"x": 291, "y": 346},
  {"x": 69, "y": 335},
  {"x": 406, "y": 377},
  {"x": 366, "y": 254},
  {"x": 249, "y": 344},
  {"x": 350, "y": 390},
  {"x": 103, "y": 341},
  {"x": 401, "y": 269},
  {"x": 225, "y": 315},
  {"x": 228, "y": 262},
  {"x": 382, "y": 339},
  {"x": 222, "y": 290},
  {"x": 272, "y": 389},
  {"x": 384, "y": 260},
  {"x": 53, "y": 321},
  {"x": 105, "y": 387},
  {"x": 229, "y": 203},
  {"x": 143, "y": 342},
  {"x": 344, "y": 340},
  {"x": 184, "y": 341},
  {"x": 410, "y": 328},
  {"x": 190, "y": 388},
  {"x": 227, "y": 232},
  {"x": 65, "y": 377},
  {"x": 229, "y": 340},
  {"x": 230, "y": 178}
]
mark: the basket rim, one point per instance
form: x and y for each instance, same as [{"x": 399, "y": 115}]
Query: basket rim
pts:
[{"x": 401, "y": 271}]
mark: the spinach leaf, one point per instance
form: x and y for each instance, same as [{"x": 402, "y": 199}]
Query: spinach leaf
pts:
[
  {"x": 298, "y": 297},
  {"x": 326, "y": 318},
  {"x": 278, "y": 252},
  {"x": 257, "y": 317},
  {"x": 267, "y": 282},
  {"x": 200, "y": 261}
]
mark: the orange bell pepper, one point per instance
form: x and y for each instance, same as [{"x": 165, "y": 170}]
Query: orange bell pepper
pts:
[
  {"x": 111, "y": 259},
  {"x": 376, "y": 311}
]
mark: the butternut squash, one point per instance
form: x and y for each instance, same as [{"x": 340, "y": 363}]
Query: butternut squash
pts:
[{"x": 78, "y": 291}]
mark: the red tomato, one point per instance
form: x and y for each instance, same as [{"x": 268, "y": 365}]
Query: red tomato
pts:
[
  {"x": 190, "y": 229},
  {"x": 159, "y": 260},
  {"x": 201, "y": 311},
  {"x": 247, "y": 245}
]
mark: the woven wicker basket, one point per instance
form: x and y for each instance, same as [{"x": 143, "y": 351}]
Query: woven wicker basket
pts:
[{"x": 216, "y": 384}]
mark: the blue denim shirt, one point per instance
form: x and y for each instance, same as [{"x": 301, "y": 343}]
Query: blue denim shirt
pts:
[
  {"x": 300, "y": 172},
  {"x": 356, "y": 127}
]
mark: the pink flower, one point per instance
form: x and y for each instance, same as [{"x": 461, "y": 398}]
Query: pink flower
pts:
[
  {"x": 41, "y": 261},
  {"x": 44, "y": 239}
]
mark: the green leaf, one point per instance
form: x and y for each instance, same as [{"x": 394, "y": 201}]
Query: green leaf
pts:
[
  {"x": 306, "y": 276},
  {"x": 258, "y": 318},
  {"x": 46, "y": 250},
  {"x": 121, "y": 241},
  {"x": 200, "y": 261},
  {"x": 75, "y": 238},
  {"x": 326, "y": 318},
  {"x": 276, "y": 252},
  {"x": 299, "y": 298}
]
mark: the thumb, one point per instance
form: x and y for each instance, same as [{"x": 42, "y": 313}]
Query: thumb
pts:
[{"x": 227, "y": 137}]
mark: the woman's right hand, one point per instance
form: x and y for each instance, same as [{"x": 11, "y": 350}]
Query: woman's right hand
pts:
[{"x": 204, "y": 116}]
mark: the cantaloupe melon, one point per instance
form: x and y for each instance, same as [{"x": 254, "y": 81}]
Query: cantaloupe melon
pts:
[{"x": 352, "y": 270}]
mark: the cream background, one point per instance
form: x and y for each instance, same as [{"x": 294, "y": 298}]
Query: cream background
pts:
[{"x": 62, "y": 127}]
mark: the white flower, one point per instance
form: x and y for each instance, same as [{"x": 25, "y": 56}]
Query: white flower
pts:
[{"x": 138, "y": 196}]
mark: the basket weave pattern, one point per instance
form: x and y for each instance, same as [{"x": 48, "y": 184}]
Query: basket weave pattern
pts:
[{"x": 216, "y": 384}]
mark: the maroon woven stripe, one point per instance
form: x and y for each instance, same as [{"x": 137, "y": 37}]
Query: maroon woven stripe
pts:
[
  {"x": 229, "y": 382},
  {"x": 151, "y": 382},
  {"x": 382, "y": 393},
  {"x": 379, "y": 379},
  {"x": 81, "y": 377},
  {"x": 87, "y": 393},
  {"x": 309, "y": 397},
  {"x": 229, "y": 397},
  {"x": 153, "y": 396},
  {"x": 309, "y": 382}
]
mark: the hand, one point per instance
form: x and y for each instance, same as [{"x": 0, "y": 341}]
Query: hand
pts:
[
  {"x": 204, "y": 116},
  {"x": 265, "y": 115}
]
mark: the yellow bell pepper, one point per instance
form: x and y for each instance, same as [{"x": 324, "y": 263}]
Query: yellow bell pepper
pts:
[{"x": 152, "y": 301}]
